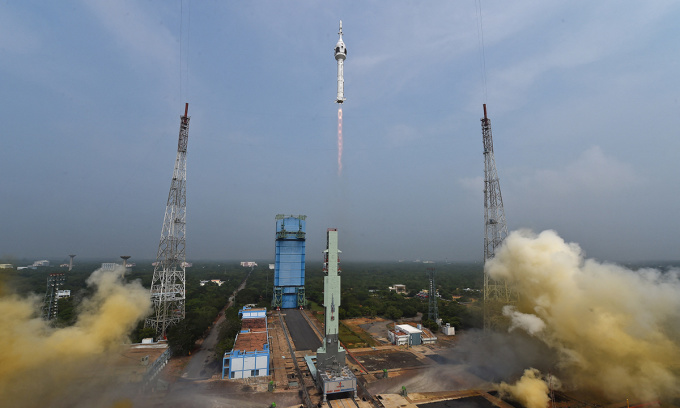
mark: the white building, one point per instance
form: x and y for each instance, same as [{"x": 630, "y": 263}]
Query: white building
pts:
[
  {"x": 250, "y": 355},
  {"x": 449, "y": 330},
  {"x": 406, "y": 334},
  {"x": 249, "y": 264}
]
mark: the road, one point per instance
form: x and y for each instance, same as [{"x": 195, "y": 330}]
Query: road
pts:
[
  {"x": 303, "y": 335},
  {"x": 202, "y": 364}
]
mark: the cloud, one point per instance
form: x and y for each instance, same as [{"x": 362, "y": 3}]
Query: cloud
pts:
[
  {"x": 591, "y": 173},
  {"x": 137, "y": 34}
]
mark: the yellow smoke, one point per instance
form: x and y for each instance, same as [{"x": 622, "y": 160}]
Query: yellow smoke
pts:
[
  {"x": 615, "y": 330},
  {"x": 38, "y": 363},
  {"x": 531, "y": 390}
]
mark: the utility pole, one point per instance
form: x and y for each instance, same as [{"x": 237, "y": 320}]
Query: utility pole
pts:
[
  {"x": 495, "y": 228},
  {"x": 168, "y": 287}
]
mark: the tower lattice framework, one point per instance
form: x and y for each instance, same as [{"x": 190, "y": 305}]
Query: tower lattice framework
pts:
[
  {"x": 50, "y": 301},
  {"x": 496, "y": 292},
  {"x": 433, "y": 311},
  {"x": 168, "y": 287}
]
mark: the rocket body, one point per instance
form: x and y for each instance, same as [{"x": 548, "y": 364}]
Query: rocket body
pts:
[
  {"x": 331, "y": 355},
  {"x": 340, "y": 55}
]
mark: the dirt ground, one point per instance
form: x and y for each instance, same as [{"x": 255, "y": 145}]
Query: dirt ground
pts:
[{"x": 375, "y": 327}]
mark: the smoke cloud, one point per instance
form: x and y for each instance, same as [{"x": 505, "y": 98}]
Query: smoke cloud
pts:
[
  {"x": 614, "y": 331},
  {"x": 531, "y": 390},
  {"x": 42, "y": 365}
]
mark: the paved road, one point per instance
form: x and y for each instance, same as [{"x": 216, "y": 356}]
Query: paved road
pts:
[
  {"x": 303, "y": 335},
  {"x": 202, "y": 361}
]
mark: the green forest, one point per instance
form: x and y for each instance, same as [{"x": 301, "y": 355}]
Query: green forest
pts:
[{"x": 364, "y": 293}]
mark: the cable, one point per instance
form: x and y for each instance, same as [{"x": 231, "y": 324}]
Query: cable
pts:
[{"x": 480, "y": 35}]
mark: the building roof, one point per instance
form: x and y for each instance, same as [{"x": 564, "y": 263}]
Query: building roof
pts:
[
  {"x": 251, "y": 341},
  {"x": 408, "y": 328},
  {"x": 257, "y": 324}
]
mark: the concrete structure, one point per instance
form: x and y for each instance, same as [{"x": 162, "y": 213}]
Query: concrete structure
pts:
[
  {"x": 6, "y": 266},
  {"x": 250, "y": 356},
  {"x": 249, "y": 264},
  {"x": 289, "y": 269},
  {"x": 43, "y": 263},
  {"x": 331, "y": 371}
]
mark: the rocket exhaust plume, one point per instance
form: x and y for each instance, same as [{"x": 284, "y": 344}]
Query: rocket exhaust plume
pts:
[
  {"x": 340, "y": 141},
  {"x": 614, "y": 331},
  {"x": 45, "y": 366}
]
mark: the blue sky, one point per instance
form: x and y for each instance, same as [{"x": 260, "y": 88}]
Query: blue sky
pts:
[{"x": 582, "y": 96}]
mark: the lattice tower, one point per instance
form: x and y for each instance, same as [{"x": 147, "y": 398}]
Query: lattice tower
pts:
[
  {"x": 433, "y": 312},
  {"x": 495, "y": 227},
  {"x": 168, "y": 287},
  {"x": 50, "y": 302}
]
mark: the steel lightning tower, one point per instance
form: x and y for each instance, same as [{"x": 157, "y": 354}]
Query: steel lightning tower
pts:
[
  {"x": 432, "y": 312},
  {"x": 496, "y": 292},
  {"x": 168, "y": 287},
  {"x": 50, "y": 301}
]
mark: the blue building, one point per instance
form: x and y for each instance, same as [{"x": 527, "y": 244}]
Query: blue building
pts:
[
  {"x": 289, "y": 269},
  {"x": 250, "y": 355}
]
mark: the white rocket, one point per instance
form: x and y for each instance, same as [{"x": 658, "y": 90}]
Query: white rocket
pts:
[{"x": 340, "y": 55}]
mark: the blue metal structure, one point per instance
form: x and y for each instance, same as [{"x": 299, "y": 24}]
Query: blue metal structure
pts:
[{"x": 289, "y": 269}]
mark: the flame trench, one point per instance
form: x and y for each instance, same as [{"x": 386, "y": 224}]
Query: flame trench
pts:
[{"x": 339, "y": 141}]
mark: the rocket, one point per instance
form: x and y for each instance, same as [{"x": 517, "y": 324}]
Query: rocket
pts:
[
  {"x": 340, "y": 55},
  {"x": 331, "y": 355}
]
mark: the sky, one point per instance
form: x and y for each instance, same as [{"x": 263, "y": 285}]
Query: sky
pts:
[{"x": 582, "y": 97}]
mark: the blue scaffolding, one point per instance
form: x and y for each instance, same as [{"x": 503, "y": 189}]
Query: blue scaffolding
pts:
[{"x": 289, "y": 269}]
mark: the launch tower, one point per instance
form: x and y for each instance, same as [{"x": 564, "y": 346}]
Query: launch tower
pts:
[
  {"x": 333, "y": 375},
  {"x": 289, "y": 267},
  {"x": 496, "y": 293},
  {"x": 168, "y": 287}
]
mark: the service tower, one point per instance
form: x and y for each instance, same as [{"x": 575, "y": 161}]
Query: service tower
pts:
[
  {"x": 333, "y": 375},
  {"x": 289, "y": 269}
]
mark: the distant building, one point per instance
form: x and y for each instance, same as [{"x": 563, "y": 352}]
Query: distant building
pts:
[
  {"x": 250, "y": 355},
  {"x": 6, "y": 266},
  {"x": 405, "y": 334},
  {"x": 398, "y": 288},
  {"x": 44, "y": 262},
  {"x": 108, "y": 266},
  {"x": 249, "y": 264},
  {"x": 215, "y": 281}
]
